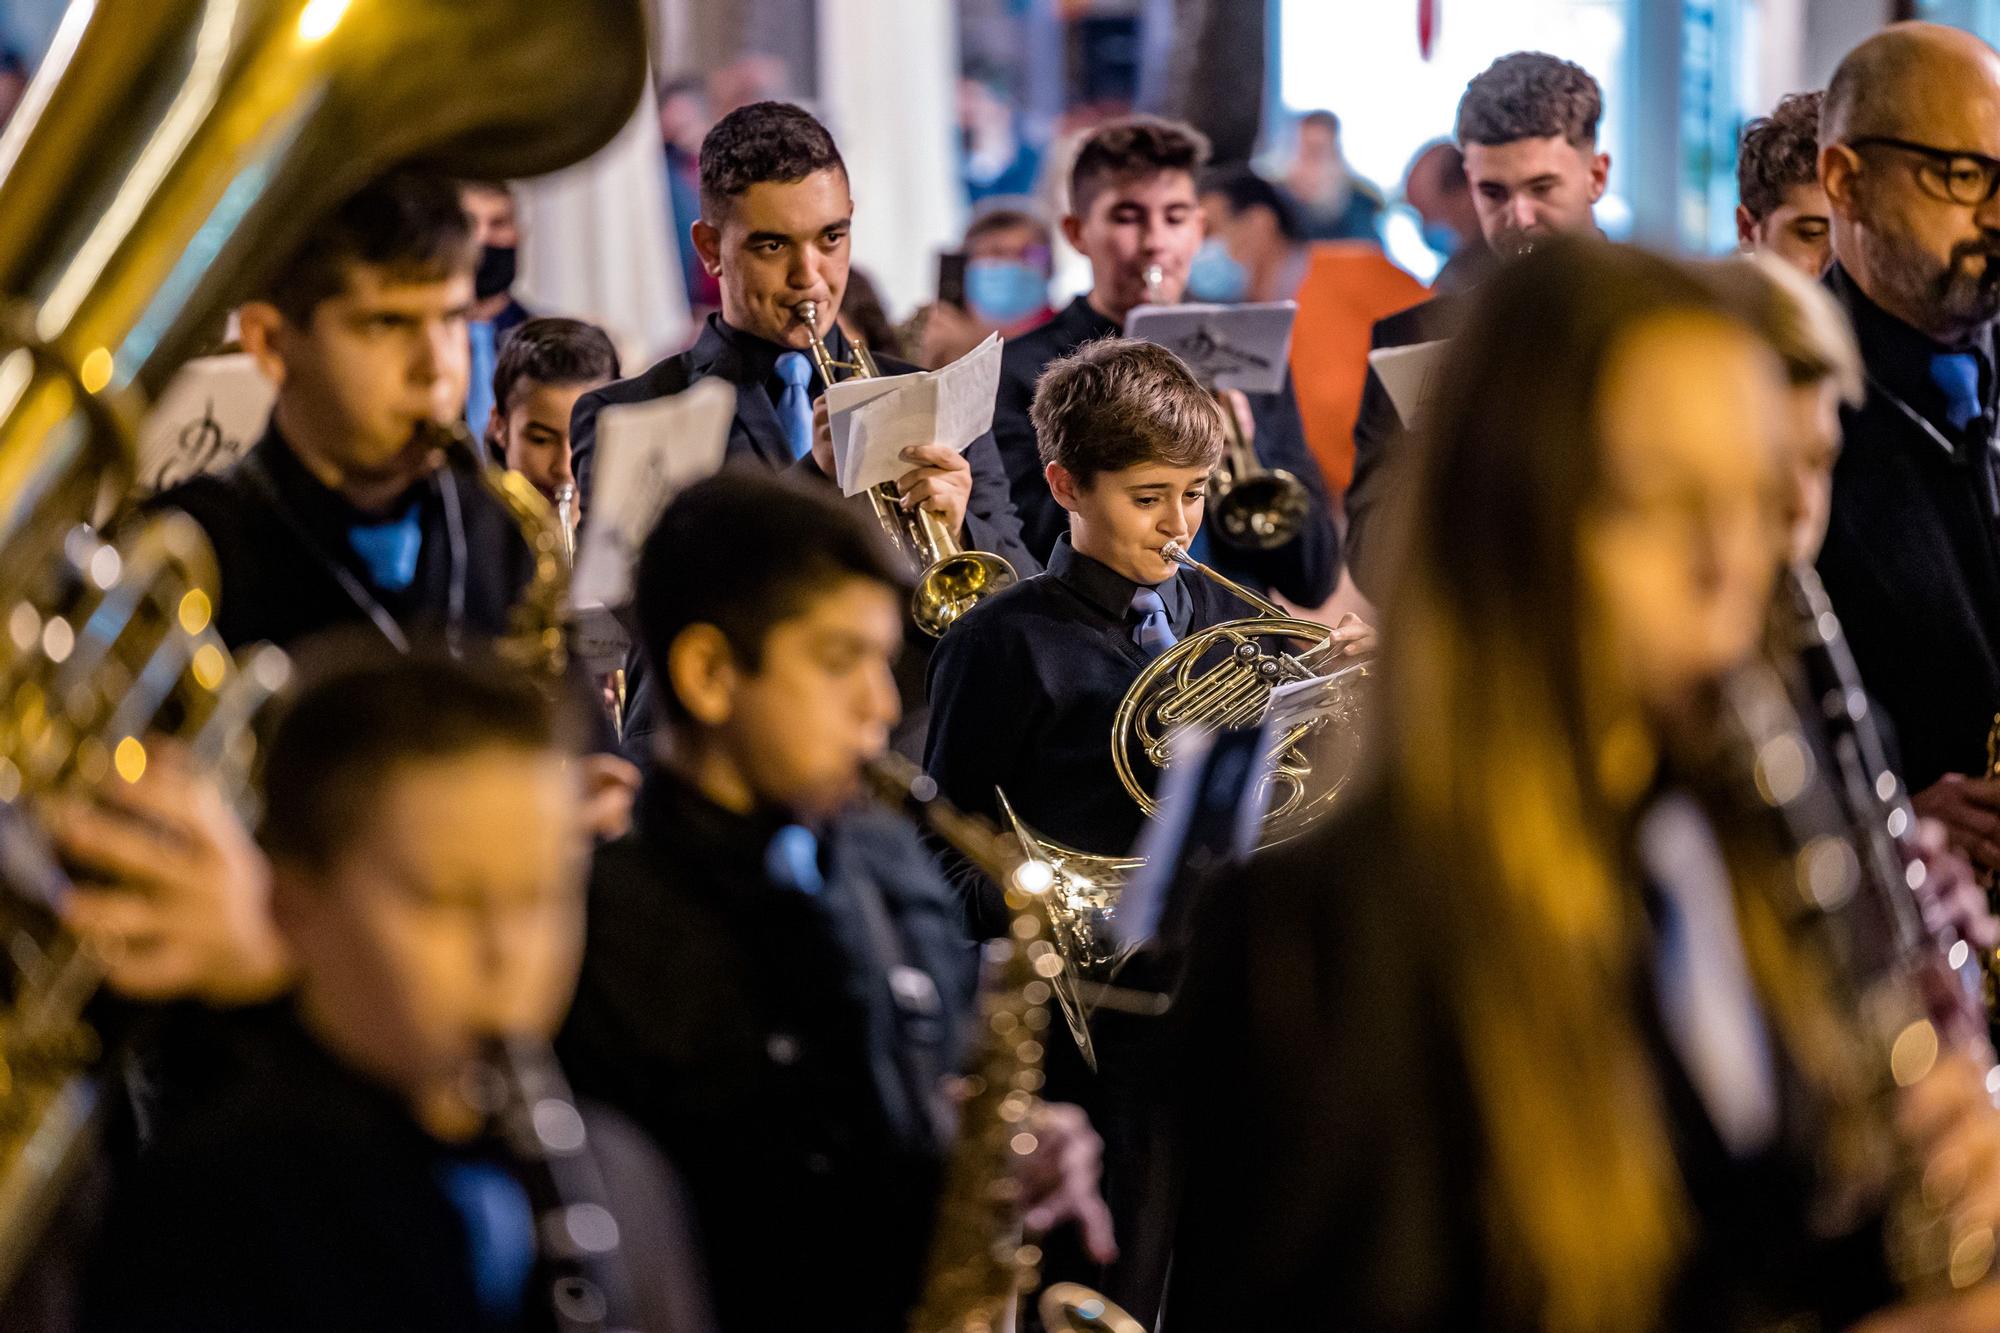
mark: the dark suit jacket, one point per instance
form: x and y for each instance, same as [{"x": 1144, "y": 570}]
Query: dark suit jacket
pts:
[
  {"x": 1378, "y": 435},
  {"x": 1304, "y": 570},
  {"x": 1912, "y": 560},
  {"x": 750, "y": 1027},
  {"x": 758, "y": 433}
]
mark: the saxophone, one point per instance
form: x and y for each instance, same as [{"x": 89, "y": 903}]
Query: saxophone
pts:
[
  {"x": 980, "y": 1263},
  {"x": 165, "y": 154}
]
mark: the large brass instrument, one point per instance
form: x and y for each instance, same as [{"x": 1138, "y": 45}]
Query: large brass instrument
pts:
[
  {"x": 167, "y": 153},
  {"x": 980, "y": 1263},
  {"x": 950, "y": 579},
  {"x": 1218, "y": 678}
]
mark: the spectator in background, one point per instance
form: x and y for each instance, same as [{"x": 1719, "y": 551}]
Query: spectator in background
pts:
[
  {"x": 1334, "y": 203},
  {"x": 1435, "y": 186},
  {"x": 996, "y": 158},
  {"x": 1783, "y": 209},
  {"x": 1255, "y": 252},
  {"x": 495, "y": 313},
  {"x": 1009, "y": 259},
  {"x": 684, "y": 120},
  {"x": 754, "y": 76}
]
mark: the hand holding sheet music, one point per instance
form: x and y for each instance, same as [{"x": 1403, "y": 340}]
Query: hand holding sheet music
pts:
[{"x": 874, "y": 420}]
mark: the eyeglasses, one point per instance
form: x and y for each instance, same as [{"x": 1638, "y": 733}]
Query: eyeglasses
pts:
[{"x": 1961, "y": 177}]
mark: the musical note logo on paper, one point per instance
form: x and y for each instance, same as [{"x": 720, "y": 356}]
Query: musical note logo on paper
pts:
[
  {"x": 1246, "y": 347},
  {"x": 210, "y": 415}
]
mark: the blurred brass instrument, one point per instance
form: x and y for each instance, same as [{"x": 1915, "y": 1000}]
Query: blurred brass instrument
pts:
[
  {"x": 1253, "y": 507},
  {"x": 1217, "y": 678},
  {"x": 950, "y": 579},
  {"x": 165, "y": 155},
  {"x": 980, "y": 1263}
]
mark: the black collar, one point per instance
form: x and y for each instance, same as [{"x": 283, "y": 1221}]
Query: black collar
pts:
[
  {"x": 1080, "y": 321},
  {"x": 677, "y": 820},
  {"x": 745, "y": 359},
  {"x": 1108, "y": 590},
  {"x": 1898, "y": 357},
  {"x": 313, "y": 500}
]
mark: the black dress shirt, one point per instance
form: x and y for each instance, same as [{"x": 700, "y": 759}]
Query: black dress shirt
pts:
[
  {"x": 1912, "y": 556},
  {"x": 281, "y": 544},
  {"x": 1379, "y": 455},
  {"x": 752, "y": 1026},
  {"x": 758, "y": 432},
  {"x": 1025, "y": 687},
  {"x": 1304, "y": 570},
  {"x": 305, "y": 1197}
]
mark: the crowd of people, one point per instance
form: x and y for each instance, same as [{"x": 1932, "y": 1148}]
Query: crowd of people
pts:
[{"x": 1620, "y": 989}]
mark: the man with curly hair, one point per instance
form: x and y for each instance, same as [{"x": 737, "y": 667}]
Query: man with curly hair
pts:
[
  {"x": 1528, "y": 129},
  {"x": 1783, "y": 209}
]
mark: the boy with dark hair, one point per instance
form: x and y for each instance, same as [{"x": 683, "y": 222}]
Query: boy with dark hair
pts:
[
  {"x": 1528, "y": 128},
  {"x": 1783, "y": 208},
  {"x": 776, "y": 981},
  {"x": 544, "y": 367},
  {"x": 425, "y": 854},
  {"x": 1133, "y": 210},
  {"x": 776, "y": 213},
  {"x": 352, "y": 508}
]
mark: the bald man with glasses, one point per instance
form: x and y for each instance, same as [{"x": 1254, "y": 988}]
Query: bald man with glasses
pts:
[{"x": 1910, "y": 159}]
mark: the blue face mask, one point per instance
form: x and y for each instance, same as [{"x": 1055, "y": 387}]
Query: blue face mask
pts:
[
  {"x": 1002, "y": 291},
  {"x": 1441, "y": 237},
  {"x": 1216, "y": 276}
]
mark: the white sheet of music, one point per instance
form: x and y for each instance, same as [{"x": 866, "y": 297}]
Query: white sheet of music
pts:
[
  {"x": 647, "y": 453},
  {"x": 874, "y": 420},
  {"x": 209, "y": 415},
  {"x": 1412, "y": 375},
  {"x": 1246, "y": 347}
]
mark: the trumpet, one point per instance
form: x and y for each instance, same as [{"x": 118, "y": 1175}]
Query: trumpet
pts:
[
  {"x": 566, "y": 521},
  {"x": 950, "y": 579}
]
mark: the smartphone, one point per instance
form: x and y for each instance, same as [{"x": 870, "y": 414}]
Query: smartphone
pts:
[{"x": 951, "y": 278}]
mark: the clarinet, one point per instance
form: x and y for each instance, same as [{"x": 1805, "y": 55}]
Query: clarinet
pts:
[
  {"x": 1946, "y": 969},
  {"x": 580, "y": 1277}
]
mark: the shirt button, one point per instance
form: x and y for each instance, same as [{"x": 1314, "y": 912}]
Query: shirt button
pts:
[{"x": 783, "y": 1048}]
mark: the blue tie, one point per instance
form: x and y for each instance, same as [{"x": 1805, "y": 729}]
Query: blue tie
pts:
[
  {"x": 1153, "y": 634},
  {"x": 479, "y": 390},
  {"x": 389, "y": 549},
  {"x": 795, "y": 406},
  {"x": 1956, "y": 375},
  {"x": 792, "y": 860},
  {"x": 499, "y": 1233}
]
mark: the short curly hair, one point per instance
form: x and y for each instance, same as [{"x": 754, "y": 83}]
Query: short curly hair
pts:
[
  {"x": 1116, "y": 403},
  {"x": 1130, "y": 149},
  {"x": 758, "y": 143},
  {"x": 1778, "y": 152},
  {"x": 1530, "y": 95}
]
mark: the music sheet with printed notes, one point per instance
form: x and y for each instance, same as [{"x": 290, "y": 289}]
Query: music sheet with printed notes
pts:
[
  {"x": 210, "y": 414},
  {"x": 1412, "y": 375}
]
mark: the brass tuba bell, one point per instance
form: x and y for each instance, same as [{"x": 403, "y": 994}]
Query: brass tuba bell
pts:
[{"x": 167, "y": 153}]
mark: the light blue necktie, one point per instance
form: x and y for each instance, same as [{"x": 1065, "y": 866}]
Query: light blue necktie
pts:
[
  {"x": 1153, "y": 634},
  {"x": 795, "y": 406},
  {"x": 479, "y": 391},
  {"x": 499, "y": 1233},
  {"x": 792, "y": 859},
  {"x": 390, "y": 549}
]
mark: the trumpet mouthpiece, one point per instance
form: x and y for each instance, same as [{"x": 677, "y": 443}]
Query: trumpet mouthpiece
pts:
[
  {"x": 808, "y": 312},
  {"x": 1177, "y": 553}
]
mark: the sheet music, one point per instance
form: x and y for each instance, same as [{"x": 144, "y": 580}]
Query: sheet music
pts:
[
  {"x": 1412, "y": 375},
  {"x": 647, "y": 453},
  {"x": 874, "y": 420},
  {"x": 1246, "y": 347},
  {"x": 209, "y": 416}
]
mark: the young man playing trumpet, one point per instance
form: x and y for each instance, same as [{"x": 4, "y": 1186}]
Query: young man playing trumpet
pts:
[{"x": 775, "y": 219}]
